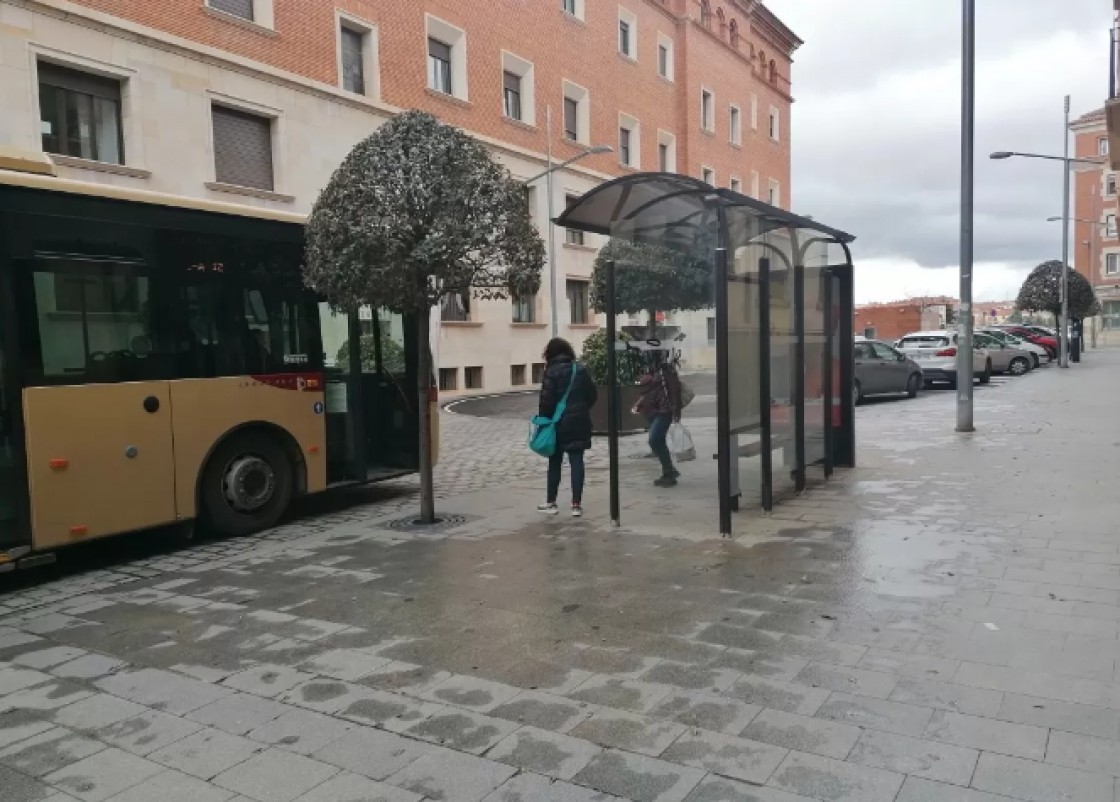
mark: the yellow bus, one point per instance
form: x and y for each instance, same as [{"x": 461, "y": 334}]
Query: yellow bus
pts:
[{"x": 162, "y": 363}]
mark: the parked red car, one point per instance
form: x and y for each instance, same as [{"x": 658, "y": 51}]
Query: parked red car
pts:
[{"x": 1033, "y": 335}]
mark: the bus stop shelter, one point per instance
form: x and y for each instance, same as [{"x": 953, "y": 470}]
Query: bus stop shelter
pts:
[{"x": 781, "y": 290}]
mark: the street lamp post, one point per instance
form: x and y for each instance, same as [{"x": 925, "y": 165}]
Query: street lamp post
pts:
[
  {"x": 1091, "y": 267},
  {"x": 547, "y": 174},
  {"x": 1068, "y": 162},
  {"x": 968, "y": 140}
]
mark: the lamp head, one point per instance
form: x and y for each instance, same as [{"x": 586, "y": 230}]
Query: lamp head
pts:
[{"x": 1001, "y": 154}]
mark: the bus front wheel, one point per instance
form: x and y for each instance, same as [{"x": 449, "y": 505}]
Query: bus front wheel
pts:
[{"x": 247, "y": 484}]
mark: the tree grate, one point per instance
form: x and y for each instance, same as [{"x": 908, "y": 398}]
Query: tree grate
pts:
[{"x": 411, "y": 523}]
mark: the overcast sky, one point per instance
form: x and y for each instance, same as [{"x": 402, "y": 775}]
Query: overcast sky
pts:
[{"x": 876, "y": 131}]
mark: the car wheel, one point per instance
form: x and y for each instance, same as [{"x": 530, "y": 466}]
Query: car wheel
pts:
[
  {"x": 986, "y": 376},
  {"x": 913, "y": 384},
  {"x": 1035, "y": 361},
  {"x": 1019, "y": 365},
  {"x": 857, "y": 394},
  {"x": 246, "y": 485}
]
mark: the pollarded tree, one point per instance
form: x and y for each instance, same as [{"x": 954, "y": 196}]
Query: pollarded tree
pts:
[
  {"x": 1041, "y": 292},
  {"x": 651, "y": 279},
  {"x": 418, "y": 210}
]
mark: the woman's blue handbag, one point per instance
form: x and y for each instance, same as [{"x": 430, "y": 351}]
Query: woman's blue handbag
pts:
[{"x": 542, "y": 430}]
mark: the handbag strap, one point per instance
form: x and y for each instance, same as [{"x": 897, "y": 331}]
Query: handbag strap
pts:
[{"x": 563, "y": 405}]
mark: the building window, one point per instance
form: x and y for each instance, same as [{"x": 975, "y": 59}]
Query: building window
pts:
[
  {"x": 665, "y": 66},
  {"x": 238, "y": 8},
  {"x": 1112, "y": 264},
  {"x": 242, "y": 148},
  {"x": 577, "y": 113},
  {"x": 579, "y": 302},
  {"x": 734, "y": 34},
  {"x": 666, "y": 152},
  {"x": 571, "y": 235},
  {"x": 707, "y": 110},
  {"x": 625, "y": 45},
  {"x": 455, "y": 307},
  {"x": 1110, "y": 226},
  {"x": 711, "y": 329},
  {"x": 736, "y": 126},
  {"x": 1110, "y": 184},
  {"x": 525, "y": 309},
  {"x": 511, "y": 95},
  {"x": 708, "y": 175},
  {"x": 439, "y": 66},
  {"x": 736, "y": 184},
  {"x": 754, "y": 112},
  {"x": 80, "y": 114},
  {"x": 775, "y": 193},
  {"x": 472, "y": 377},
  {"x": 517, "y": 375},
  {"x": 573, "y": 7},
  {"x": 353, "y": 60},
  {"x": 1102, "y": 146},
  {"x": 775, "y": 124},
  {"x": 448, "y": 379},
  {"x": 624, "y": 155},
  {"x": 706, "y": 13},
  {"x": 629, "y": 142},
  {"x": 538, "y": 372},
  {"x": 773, "y": 73},
  {"x": 754, "y": 184}
]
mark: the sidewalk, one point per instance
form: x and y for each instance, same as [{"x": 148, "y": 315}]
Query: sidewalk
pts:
[{"x": 945, "y": 617}]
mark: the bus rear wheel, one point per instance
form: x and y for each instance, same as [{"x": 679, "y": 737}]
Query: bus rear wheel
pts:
[{"x": 247, "y": 484}]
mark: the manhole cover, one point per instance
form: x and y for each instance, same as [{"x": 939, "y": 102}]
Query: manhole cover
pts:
[{"x": 411, "y": 523}]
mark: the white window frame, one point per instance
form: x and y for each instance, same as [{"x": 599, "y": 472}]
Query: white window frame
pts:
[
  {"x": 735, "y": 184},
  {"x": 774, "y": 193},
  {"x": 371, "y": 50},
  {"x": 456, "y": 39},
  {"x": 1109, "y": 182},
  {"x": 775, "y": 124},
  {"x": 754, "y": 112},
  {"x": 1102, "y": 146},
  {"x": 755, "y": 187},
  {"x": 670, "y": 141},
  {"x": 1115, "y": 257},
  {"x": 524, "y": 69},
  {"x": 1110, "y": 226},
  {"x": 278, "y": 130},
  {"x": 579, "y": 10},
  {"x": 666, "y": 42},
  {"x": 264, "y": 14},
  {"x": 632, "y": 125},
  {"x": 708, "y": 174},
  {"x": 707, "y": 110},
  {"x": 735, "y": 124},
  {"x": 582, "y": 97},
  {"x": 132, "y": 131},
  {"x": 631, "y": 19}
]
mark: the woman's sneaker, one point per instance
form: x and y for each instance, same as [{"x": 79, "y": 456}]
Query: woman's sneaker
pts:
[
  {"x": 548, "y": 509},
  {"x": 577, "y": 510}
]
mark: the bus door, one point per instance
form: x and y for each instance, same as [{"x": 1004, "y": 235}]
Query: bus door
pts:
[
  {"x": 14, "y": 529},
  {"x": 98, "y": 424}
]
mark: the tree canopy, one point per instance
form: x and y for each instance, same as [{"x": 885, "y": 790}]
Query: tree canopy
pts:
[
  {"x": 416, "y": 210},
  {"x": 651, "y": 278},
  {"x": 1041, "y": 292}
]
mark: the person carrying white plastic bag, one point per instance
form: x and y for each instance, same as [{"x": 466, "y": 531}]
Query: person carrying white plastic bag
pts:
[
  {"x": 660, "y": 403},
  {"x": 680, "y": 443}
]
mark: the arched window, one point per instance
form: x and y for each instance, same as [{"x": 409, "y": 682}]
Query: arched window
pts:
[
  {"x": 722, "y": 23},
  {"x": 706, "y": 13},
  {"x": 734, "y": 28},
  {"x": 761, "y": 62},
  {"x": 773, "y": 72}
]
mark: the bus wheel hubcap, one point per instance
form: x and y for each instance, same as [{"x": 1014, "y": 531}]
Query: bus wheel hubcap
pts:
[{"x": 249, "y": 483}]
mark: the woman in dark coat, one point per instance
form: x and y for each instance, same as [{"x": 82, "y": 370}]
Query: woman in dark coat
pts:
[
  {"x": 660, "y": 403},
  {"x": 573, "y": 430}
]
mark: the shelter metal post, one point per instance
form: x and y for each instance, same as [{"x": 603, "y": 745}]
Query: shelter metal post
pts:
[
  {"x": 355, "y": 401},
  {"x": 845, "y": 446},
  {"x": 766, "y": 455},
  {"x": 799, "y": 374},
  {"x": 829, "y": 344},
  {"x": 723, "y": 364},
  {"x": 613, "y": 401}
]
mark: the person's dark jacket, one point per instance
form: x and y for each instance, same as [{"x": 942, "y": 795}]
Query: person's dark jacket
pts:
[
  {"x": 573, "y": 432},
  {"x": 660, "y": 393}
]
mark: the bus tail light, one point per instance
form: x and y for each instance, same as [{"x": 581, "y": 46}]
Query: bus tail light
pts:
[
  {"x": 80, "y": 529},
  {"x": 950, "y": 351},
  {"x": 59, "y": 464},
  {"x": 313, "y": 449}
]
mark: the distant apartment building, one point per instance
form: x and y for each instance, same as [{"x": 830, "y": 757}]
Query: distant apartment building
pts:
[
  {"x": 1095, "y": 244},
  {"x": 257, "y": 101},
  {"x": 891, "y": 320}
]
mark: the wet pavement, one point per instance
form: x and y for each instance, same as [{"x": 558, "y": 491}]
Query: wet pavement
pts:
[{"x": 938, "y": 624}]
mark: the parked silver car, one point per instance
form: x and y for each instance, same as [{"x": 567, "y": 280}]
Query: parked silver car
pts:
[
  {"x": 880, "y": 369},
  {"x": 1005, "y": 358},
  {"x": 936, "y": 353},
  {"x": 1037, "y": 352}
]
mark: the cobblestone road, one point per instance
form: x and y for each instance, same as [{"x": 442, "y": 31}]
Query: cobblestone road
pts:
[{"x": 940, "y": 624}]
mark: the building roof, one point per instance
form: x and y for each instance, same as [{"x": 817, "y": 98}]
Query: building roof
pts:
[{"x": 1095, "y": 117}]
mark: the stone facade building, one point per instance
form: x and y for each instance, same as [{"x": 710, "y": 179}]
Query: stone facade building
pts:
[{"x": 257, "y": 101}]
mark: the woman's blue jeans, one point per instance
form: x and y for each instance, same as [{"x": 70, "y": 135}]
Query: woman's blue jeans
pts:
[
  {"x": 658, "y": 431},
  {"x": 555, "y": 464}
]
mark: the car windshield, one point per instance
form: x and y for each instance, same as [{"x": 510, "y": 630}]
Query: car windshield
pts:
[{"x": 923, "y": 341}]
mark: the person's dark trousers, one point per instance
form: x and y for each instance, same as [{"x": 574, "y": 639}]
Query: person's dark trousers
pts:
[
  {"x": 658, "y": 431},
  {"x": 555, "y": 464}
]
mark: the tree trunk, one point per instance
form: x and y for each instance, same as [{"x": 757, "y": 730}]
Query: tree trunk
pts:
[
  {"x": 652, "y": 323},
  {"x": 423, "y": 387}
]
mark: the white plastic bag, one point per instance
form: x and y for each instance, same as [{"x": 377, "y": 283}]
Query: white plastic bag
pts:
[{"x": 680, "y": 443}]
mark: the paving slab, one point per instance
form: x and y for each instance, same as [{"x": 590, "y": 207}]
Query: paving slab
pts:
[
  {"x": 1084, "y": 752},
  {"x": 452, "y": 776},
  {"x": 824, "y": 778},
  {"x": 239, "y": 713},
  {"x": 146, "y": 732},
  {"x": 103, "y": 775},
  {"x": 526, "y": 787},
  {"x": 915, "y": 756},
  {"x": 162, "y": 690},
  {"x": 544, "y": 710},
  {"x": 916, "y": 789},
  {"x": 275, "y": 776},
  {"x": 706, "y": 711},
  {"x": 722, "y": 789},
  {"x": 791, "y": 697},
  {"x": 348, "y": 787},
  {"x": 876, "y": 714},
  {"x": 372, "y": 753},
  {"x": 172, "y": 786},
  {"x": 544, "y": 752},
  {"x": 301, "y": 731},
  {"x": 803, "y": 733},
  {"x": 207, "y": 753},
  {"x": 628, "y": 731},
  {"x": 49, "y": 751},
  {"x": 1039, "y": 782},
  {"x": 639, "y": 778},
  {"x": 1020, "y": 740},
  {"x": 737, "y": 758}
]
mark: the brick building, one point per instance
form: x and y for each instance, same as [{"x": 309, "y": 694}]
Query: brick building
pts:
[
  {"x": 1095, "y": 243},
  {"x": 893, "y": 319},
  {"x": 257, "y": 101}
]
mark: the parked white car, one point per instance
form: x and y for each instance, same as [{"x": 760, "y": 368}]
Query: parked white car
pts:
[{"x": 936, "y": 354}]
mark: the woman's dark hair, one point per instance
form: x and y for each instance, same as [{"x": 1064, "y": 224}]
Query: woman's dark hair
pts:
[{"x": 556, "y": 347}]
